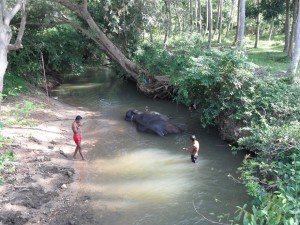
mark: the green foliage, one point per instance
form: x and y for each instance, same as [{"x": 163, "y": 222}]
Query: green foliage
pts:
[
  {"x": 22, "y": 113},
  {"x": 160, "y": 61},
  {"x": 223, "y": 81},
  {"x": 216, "y": 80},
  {"x": 13, "y": 85},
  {"x": 272, "y": 8},
  {"x": 26, "y": 108}
]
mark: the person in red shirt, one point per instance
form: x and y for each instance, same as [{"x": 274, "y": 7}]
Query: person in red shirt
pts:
[{"x": 77, "y": 136}]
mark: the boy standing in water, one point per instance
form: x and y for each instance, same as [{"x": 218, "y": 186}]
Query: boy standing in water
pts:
[
  {"x": 194, "y": 148},
  {"x": 77, "y": 136}
]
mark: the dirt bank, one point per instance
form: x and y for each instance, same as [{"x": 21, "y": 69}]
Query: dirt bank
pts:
[{"x": 42, "y": 189}]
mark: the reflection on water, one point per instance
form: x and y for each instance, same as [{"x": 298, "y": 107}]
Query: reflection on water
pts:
[{"x": 137, "y": 178}]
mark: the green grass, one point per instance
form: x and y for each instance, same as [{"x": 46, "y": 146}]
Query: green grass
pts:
[{"x": 269, "y": 55}]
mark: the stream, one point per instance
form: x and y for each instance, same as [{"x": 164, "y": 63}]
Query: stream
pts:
[{"x": 143, "y": 179}]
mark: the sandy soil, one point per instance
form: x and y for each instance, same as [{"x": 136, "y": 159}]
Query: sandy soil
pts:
[{"x": 42, "y": 190}]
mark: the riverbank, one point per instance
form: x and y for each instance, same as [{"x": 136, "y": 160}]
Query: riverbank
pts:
[{"x": 42, "y": 189}]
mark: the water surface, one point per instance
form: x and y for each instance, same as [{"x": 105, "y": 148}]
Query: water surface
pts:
[{"x": 137, "y": 178}]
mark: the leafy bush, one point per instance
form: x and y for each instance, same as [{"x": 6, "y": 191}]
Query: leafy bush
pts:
[
  {"x": 217, "y": 81},
  {"x": 272, "y": 178},
  {"x": 13, "y": 85},
  {"x": 269, "y": 108}
]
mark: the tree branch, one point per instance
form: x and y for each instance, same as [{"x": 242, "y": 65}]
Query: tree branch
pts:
[
  {"x": 211, "y": 221},
  {"x": 18, "y": 43},
  {"x": 84, "y": 31},
  {"x": 84, "y": 4},
  {"x": 2, "y": 10},
  {"x": 69, "y": 5},
  {"x": 9, "y": 15}
]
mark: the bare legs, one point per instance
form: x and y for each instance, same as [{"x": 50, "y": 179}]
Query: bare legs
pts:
[{"x": 78, "y": 149}]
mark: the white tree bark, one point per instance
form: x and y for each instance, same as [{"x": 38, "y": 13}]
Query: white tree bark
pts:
[
  {"x": 296, "y": 54},
  {"x": 242, "y": 19},
  {"x": 210, "y": 24},
  {"x": 6, "y": 15}
]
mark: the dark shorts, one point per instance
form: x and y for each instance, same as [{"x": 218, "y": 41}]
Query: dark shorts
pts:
[
  {"x": 77, "y": 139},
  {"x": 194, "y": 158}
]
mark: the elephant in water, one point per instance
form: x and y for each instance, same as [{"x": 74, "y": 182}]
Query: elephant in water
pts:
[{"x": 152, "y": 122}]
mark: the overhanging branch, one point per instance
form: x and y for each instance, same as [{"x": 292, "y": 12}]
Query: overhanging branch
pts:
[
  {"x": 10, "y": 14},
  {"x": 82, "y": 30},
  {"x": 18, "y": 43}
]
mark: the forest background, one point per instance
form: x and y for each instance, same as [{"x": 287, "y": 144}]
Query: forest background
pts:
[{"x": 234, "y": 60}]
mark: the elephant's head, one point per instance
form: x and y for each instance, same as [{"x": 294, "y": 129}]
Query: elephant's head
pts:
[{"x": 130, "y": 114}]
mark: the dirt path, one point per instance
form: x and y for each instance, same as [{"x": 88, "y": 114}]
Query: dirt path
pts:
[{"x": 42, "y": 190}]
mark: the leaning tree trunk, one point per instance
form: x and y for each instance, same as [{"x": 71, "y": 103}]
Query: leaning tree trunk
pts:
[
  {"x": 155, "y": 87},
  {"x": 6, "y": 15}
]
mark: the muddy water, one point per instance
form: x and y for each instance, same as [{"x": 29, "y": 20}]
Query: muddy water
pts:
[{"x": 136, "y": 178}]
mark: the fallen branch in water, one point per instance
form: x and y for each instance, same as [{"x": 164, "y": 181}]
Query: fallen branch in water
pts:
[{"x": 211, "y": 221}]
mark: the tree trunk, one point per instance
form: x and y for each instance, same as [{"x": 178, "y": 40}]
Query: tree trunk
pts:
[
  {"x": 179, "y": 21},
  {"x": 218, "y": 19},
  {"x": 237, "y": 23},
  {"x": 100, "y": 38},
  {"x": 271, "y": 29},
  {"x": 230, "y": 18},
  {"x": 257, "y": 26},
  {"x": 291, "y": 44},
  {"x": 287, "y": 26},
  {"x": 5, "y": 37},
  {"x": 191, "y": 14},
  {"x": 263, "y": 29},
  {"x": 168, "y": 29},
  {"x": 151, "y": 33},
  {"x": 221, "y": 22},
  {"x": 156, "y": 87},
  {"x": 6, "y": 15},
  {"x": 200, "y": 17},
  {"x": 210, "y": 25},
  {"x": 206, "y": 25},
  {"x": 196, "y": 15},
  {"x": 296, "y": 54},
  {"x": 241, "y": 24}
]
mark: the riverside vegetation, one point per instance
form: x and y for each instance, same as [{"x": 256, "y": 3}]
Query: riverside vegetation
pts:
[
  {"x": 267, "y": 105},
  {"x": 262, "y": 102}
]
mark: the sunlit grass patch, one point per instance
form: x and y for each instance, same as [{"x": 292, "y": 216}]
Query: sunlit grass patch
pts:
[
  {"x": 20, "y": 114},
  {"x": 269, "y": 55}
]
